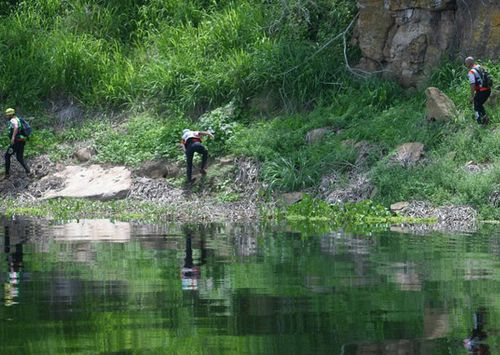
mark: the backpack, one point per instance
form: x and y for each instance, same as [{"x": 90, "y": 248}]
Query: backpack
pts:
[
  {"x": 25, "y": 128},
  {"x": 485, "y": 78}
]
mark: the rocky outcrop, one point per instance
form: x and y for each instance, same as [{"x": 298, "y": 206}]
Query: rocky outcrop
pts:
[
  {"x": 406, "y": 39},
  {"x": 439, "y": 107},
  {"x": 93, "y": 182}
]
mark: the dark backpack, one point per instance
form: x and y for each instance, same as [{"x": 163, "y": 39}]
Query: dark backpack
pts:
[
  {"x": 25, "y": 128},
  {"x": 485, "y": 78}
]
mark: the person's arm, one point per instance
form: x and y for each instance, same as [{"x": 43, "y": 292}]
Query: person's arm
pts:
[
  {"x": 206, "y": 133},
  {"x": 14, "y": 131},
  {"x": 183, "y": 146},
  {"x": 472, "y": 81}
]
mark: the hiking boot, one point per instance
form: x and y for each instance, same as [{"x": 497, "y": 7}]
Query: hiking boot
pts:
[
  {"x": 192, "y": 181},
  {"x": 203, "y": 172},
  {"x": 486, "y": 120}
]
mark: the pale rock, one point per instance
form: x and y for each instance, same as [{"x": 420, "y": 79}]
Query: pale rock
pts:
[
  {"x": 439, "y": 107},
  {"x": 399, "y": 206},
  {"x": 408, "y": 153},
  {"x": 84, "y": 154},
  {"x": 92, "y": 182},
  {"x": 290, "y": 198}
]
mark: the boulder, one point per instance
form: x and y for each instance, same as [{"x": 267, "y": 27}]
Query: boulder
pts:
[
  {"x": 399, "y": 206},
  {"x": 290, "y": 198},
  {"x": 84, "y": 154},
  {"x": 154, "y": 169},
  {"x": 92, "y": 182},
  {"x": 439, "y": 107},
  {"x": 408, "y": 154}
]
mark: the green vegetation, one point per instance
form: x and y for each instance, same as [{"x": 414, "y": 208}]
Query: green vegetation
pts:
[
  {"x": 261, "y": 74},
  {"x": 312, "y": 214},
  {"x": 70, "y": 209},
  {"x": 163, "y": 53}
]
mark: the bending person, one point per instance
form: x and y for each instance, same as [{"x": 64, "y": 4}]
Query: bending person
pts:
[{"x": 191, "y": 143}]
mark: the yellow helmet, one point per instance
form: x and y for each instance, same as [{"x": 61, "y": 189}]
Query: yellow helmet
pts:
[{"x": 10, "y": 111}]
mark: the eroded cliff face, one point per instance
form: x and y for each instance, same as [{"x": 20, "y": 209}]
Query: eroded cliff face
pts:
[{"x": 406, "y": 39}]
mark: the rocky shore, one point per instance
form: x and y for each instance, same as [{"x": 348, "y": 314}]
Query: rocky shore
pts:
[
  {"x": 230, "y": 192},
  {"x": 206, "y": 200}
]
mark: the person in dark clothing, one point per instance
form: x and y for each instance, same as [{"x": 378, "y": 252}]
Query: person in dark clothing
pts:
[
  {"x": 191, "y": 143},
  {"x": 479, "y": 92},
  {"x": 17, "y": 141}
]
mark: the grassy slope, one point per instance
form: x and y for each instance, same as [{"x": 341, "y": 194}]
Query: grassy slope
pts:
[{"x": 166, "y": 61}]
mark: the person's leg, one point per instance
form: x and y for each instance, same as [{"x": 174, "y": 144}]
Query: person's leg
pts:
[
  {"x": 200, "y": 148},
  {"x": 189, "y": 161},
  {"x": 479, "y": 100},
  {"x": 19, "y": 149},
  {"x": 8, "y": 154}
]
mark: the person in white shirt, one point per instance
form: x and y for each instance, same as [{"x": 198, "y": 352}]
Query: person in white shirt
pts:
[
  {"x": 191, "y": 143},
  {"x": 479, "y": 92}
]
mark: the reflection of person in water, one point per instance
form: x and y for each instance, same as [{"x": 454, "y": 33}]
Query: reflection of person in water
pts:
[
  {"x": 190, "y": 273},
  {"x": 476, "y": 344},
  {"x": 14, "y": 264}
]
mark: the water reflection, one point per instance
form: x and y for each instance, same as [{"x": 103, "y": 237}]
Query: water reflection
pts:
[
  {"x": 13, "y": 249},
  {"x": 476, "y": 343},
  {"x": 191, "y": 272},
  {"x": 106, "y": 287},
  {"x": 93, "y": 230}
]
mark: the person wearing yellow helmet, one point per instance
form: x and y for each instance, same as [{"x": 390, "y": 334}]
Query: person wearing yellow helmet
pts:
[{"x": 17, "y": 141}]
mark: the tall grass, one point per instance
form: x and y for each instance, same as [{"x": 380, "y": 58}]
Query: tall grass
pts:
[{"x": 195, "y": 54}]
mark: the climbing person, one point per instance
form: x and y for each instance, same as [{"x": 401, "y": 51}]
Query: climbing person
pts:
[
  {"x": 191, "y": 143},
  {"x": 17, "y": 141},
  {"x": 480, "y": 89}
]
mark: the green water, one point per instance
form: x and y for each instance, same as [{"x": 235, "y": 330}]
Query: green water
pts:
[{"x": 94, "y": 287}]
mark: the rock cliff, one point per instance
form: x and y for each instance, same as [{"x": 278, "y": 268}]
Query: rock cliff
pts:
[{"x": 406, "y": 39}]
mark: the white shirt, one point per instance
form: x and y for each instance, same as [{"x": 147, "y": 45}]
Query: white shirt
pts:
[
  {"x": 190, "y": 134},
  {"x": 472, "y": 74}
]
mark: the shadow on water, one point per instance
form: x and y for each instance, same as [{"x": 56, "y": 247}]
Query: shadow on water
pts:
[{"x": 97, "y": 286}]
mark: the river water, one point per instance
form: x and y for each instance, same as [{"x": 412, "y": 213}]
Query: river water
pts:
[{"x": 98, "y": 287}]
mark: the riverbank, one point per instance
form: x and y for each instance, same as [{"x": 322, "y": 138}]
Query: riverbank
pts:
[
  {"x": 230, "y": 192},
  {"x": 210, "y": 199}
]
